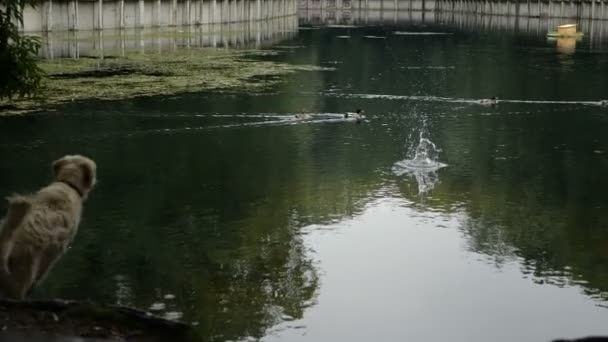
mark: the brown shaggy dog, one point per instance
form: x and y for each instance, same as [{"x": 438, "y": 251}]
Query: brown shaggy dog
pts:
[{"x": 38, "y": 228}]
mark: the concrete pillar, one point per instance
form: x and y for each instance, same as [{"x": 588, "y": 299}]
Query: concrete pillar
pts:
[
  {"x": 121, "y": 13},
  {"x": 258, "y": 4},
  {"x": 187, "y": 12},
  {"x": 244, "y": 15},
  {"x": 225, "y": 13},
  {"x": 157, "y": 15},
  {"x": 73, "y": 15},
  {"x": 100, "y": 14},
  {"x": 217, "y": 12},
  {"x": 47, "y": 15},
  {"x": 231, "y": 10},
  {"x": 140, "y": 14},
  {"x": 395, "y": 16},
  {"x": 197, "y": 12},
  {"x": 174, "y": 12},
  {"x": 308, "y": 14},
  {"x": 235, "y": 11},
  {"x": 236, "y": 15},
  {"x": 211, "y": 14}
]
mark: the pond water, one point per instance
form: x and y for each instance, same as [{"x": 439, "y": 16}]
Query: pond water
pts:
[{"x": 224, "y": 211}]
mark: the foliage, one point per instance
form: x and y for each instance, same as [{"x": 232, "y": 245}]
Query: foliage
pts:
[{"x": 20, "y": 74}]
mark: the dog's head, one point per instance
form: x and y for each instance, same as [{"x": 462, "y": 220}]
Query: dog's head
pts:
[{"x": 78, "y": 171}]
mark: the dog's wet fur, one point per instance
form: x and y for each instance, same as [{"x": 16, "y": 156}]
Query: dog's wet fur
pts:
[{"x": 38, "y": 228}]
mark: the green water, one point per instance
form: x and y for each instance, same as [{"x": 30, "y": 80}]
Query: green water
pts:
[{"x": 265, "y": 228}]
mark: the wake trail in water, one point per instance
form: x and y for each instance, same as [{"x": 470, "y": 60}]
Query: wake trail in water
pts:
[
  {"x": 450, "y": 99},
  {"x": 590, "y": 103},
  {"x": 284, "y": 120},
  {"x": 279, "y": 120}
]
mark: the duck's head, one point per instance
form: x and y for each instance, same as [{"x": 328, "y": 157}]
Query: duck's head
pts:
[{"x": 359, "y": 111}]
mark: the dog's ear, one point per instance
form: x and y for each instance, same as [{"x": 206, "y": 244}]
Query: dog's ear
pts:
[
  {"x": 58, "y": 164},
  {"x": 88, "y": 175}
]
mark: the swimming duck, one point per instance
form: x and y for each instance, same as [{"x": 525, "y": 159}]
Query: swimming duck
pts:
[
  {"x": 303, "y": 116},
  {"x": 357, "y": 115},
  {"x": 604, "y": 103},
  {"x": 489, "y": 102}
]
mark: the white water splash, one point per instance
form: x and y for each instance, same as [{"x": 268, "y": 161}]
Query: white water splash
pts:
[
  {"x": 422, "y": 166},
  {"x": 425, "y": 158}
]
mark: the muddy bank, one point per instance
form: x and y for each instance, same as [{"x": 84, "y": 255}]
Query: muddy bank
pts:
[
  {"x": 87, "y": 320},
  {"x": 143, "y": 74}
]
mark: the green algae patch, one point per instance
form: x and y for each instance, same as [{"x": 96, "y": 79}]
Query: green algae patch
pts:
[{"x": 149, "y": 74}]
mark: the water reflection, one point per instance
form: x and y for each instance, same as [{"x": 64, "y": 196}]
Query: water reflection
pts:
[
  {"x": 596, "y": 31},
  {"x": 565, "y": 45},
  {"x": 426, "y": 180}
]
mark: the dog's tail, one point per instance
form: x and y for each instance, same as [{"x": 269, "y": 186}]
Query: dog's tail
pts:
[{"x": 18, "y": 207}]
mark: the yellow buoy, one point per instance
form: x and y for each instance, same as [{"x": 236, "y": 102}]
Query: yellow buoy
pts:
[{"x": 567, "y": 30}]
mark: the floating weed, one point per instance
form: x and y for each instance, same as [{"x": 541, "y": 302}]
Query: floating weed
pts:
[{"x": 149, "y": 74}]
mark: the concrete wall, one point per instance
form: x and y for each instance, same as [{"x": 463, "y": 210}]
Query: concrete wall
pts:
[
  {"x": 64, "y": 15},
  {"x": 587, "y": 9},
  {"x": 327, "y": 5},
  {"x": 363, "y": 17},
  {"x": 108, "y": 43}
]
